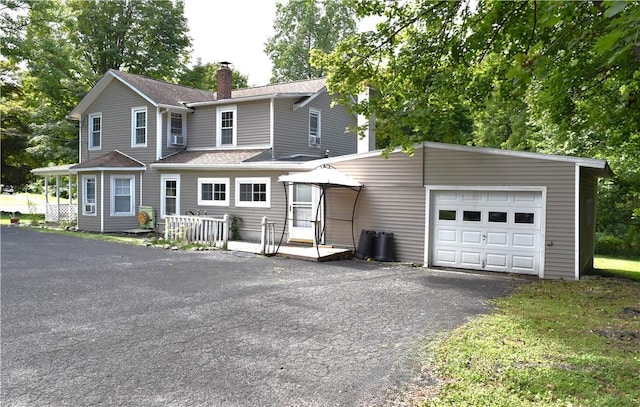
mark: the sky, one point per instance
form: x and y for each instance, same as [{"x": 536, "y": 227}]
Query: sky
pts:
[{"x": 234, "y": 31}]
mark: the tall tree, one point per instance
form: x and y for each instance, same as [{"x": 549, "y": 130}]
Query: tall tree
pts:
[
  {"x": 557, "y": 77},
  {"x": 57, "y": 49},
  {"x": 146, "y": 37},
  {"x": 301, "y": 26}
]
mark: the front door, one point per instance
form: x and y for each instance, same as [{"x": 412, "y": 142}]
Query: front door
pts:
[{"x": 302, "y": 212}]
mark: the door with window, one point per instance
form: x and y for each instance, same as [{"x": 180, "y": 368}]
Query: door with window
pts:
[{"x": 302, "y": 212}]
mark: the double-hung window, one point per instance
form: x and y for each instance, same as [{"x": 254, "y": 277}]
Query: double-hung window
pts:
[
  {"x": 213, "y": 191},
  {"x": 95, "y": 131},
  {"x": 253, "y": 192},
  {"x": 176, "y": 129},
  {"x": 170, "y": 204},
  {"x": 123, "y": 197},
  {"x": 226, "y": 126},
  {"x": 89, "y": 195},
  {"x": 139, "y": 127},
  {"x": 314, "y": 128}
]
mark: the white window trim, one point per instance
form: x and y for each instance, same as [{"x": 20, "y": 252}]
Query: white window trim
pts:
[
  {"x": 252, "y": 204},
  {"x": 90, "y": 131},
  {"x": 135, "y": 110},
  {"x": 86, "y": 178},
  {"x": 163, "y": 190},
  {"x": 219, "y": 111},
  {"x": 319, "y": 135},
  {"x": 184, "y": 129},
  {"x": 132, "y": 191},
  {"x": 224, "y": 181}
]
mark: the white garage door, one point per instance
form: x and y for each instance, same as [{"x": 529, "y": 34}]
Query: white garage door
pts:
[{"x": 487, "y": 230}]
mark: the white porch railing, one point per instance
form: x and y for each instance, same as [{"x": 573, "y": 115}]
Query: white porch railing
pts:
[
  {"x": 268, "y": 237},
  {"x": 198, "y": 229},
  {"x": 60, "y": 213}
]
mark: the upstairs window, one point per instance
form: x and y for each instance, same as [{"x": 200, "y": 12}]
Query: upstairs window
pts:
[
  {"x": 227, "y": 126},
  {"x": 314, "y": 128},
  {"x": 139, "y": 127},
  {"x": 95, "y": 131},
  {"x": 176, "y": 129}
]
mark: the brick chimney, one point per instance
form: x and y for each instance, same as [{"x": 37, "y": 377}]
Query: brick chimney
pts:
[{"x": 224, "y": 81}]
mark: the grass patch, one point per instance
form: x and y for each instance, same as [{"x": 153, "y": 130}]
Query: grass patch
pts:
[
  {"x": 25, "y": 218},
  {"x": 611, "y": 266},
  {"x": 551, "y": 343},
  {"x": 116, "y": 238}
]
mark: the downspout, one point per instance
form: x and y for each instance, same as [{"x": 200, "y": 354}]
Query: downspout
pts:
[
  {"x": 576, "y": 220},
  {"x": 158, "y": 133},
  {"x": 101, "y": 201},
  {"x": 271, "y": 129}
]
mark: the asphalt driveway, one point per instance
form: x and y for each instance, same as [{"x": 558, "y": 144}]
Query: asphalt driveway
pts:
[{"x": 87, "y": 322}]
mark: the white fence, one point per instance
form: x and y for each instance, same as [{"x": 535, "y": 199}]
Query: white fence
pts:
[
  {"x": 198, "y": 229},
  {"x": 60, "y": 213},
  {"x": 268, "y": 244}
]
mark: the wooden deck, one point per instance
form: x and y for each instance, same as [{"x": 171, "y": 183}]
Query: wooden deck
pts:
[{"x": 300, "y": 252}]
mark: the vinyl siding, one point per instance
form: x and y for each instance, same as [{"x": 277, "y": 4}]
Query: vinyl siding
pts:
[
  {"x": 459, "y": 168},
  {"x": 115, "y": 104},
  {"x": 201, "y": 130},
  {"x": 291, "y": 129},
  {"x": 392, "y": 200},
  {"x": 90, "y": 223},
  {"x": 251, "y": 216},
  {"x": 252, "y": 122},
  {"x": 103, "y": 200},
  {"x": 588, "y": 212}
]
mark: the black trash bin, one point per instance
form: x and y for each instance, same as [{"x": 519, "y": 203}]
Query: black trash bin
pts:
[
  {"x": 384, "y": 247},
  {"x": 367, "y": 244}
]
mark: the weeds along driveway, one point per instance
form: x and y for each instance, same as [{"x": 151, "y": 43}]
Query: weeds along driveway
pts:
[{"x": 87, "y": 322}]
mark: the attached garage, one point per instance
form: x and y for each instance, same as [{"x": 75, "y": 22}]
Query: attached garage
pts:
[
  {"x": 488, "y": 230},
  {"x": 474, "y": 208}
]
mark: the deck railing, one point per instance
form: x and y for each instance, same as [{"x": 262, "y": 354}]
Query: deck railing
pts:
[
  {"x": 198, "y": 229},
  {"x": 60, "y": 213},
  {"x": 268, "y": 244}
]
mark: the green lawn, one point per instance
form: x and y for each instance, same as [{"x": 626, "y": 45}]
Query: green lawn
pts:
[{"x": 550, "y": 343}]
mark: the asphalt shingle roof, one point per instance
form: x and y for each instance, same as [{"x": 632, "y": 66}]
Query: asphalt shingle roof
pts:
[
  {"x": 210, "y": 157},
  {"x": 114, "y": 159}
]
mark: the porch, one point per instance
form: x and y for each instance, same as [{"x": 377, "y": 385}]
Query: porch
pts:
[{"x": 214, "y": 231}]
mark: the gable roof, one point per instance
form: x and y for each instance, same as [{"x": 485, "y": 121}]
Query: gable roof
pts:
[
  {"x": 113, "y": 161},
  {"x": 157, "y": 93},
  {"x": 165, "y": 94}
]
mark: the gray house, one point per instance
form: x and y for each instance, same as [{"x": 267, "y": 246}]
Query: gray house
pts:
[{"x": 255, "y": 153}]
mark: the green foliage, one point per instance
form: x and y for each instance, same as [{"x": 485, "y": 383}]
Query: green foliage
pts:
[
  {"x": 554, "y": 77},
  {"x": 302, "y": 26},
  {"x": 55, "y": 52},
  {"x": 204, "y": 76},
  {"x": 146, "y": 37},
  {"x": 234, "y": 227}
]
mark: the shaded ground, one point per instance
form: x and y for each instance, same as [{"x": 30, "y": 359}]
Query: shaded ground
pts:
[{"x": 87, "y": 322}]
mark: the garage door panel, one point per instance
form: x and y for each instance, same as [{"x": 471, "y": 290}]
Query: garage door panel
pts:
[
  {"x": 497, "y": 238},
  {"x": 497, "y": 260},
  {"x": 469, "y": 258},
  {"x": 447, "y": 236},
  {"x": 524, "y": 240},
  {"x": 471, "y": 237},
  {"x": 446, "y": 256},
  {"x": 487, "y": 230}
]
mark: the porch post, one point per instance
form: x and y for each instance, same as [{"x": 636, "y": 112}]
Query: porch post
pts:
[
  {"x": 58, "y": 198},
  {"x": 70, "y": 199},
  {"x": 46, "y": 190}
]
